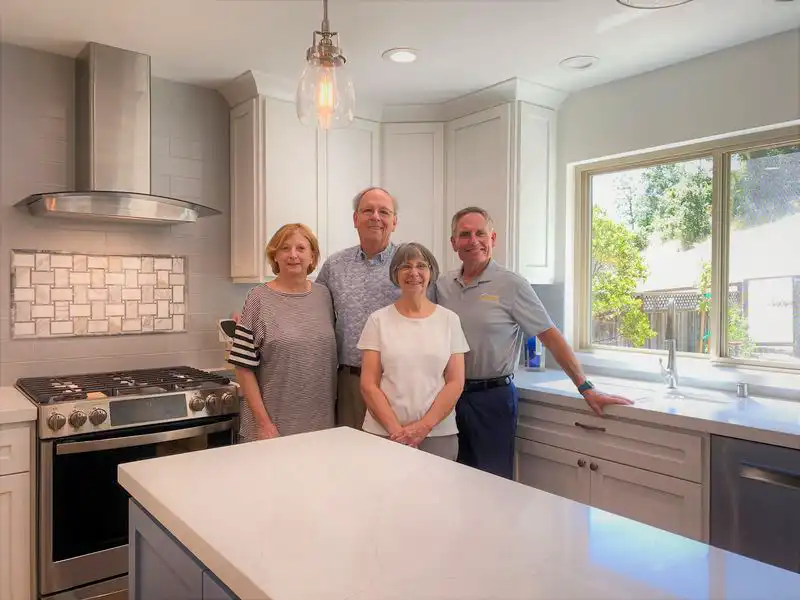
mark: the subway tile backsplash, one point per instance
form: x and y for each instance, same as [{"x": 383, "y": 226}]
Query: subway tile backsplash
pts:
[{"x": 57, "y": 294}]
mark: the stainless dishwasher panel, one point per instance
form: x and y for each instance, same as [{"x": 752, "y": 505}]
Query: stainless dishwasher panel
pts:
[{"x": 755, "y": 501}]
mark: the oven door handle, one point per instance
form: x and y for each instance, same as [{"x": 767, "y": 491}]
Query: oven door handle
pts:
[{"x": 141, "y": 440}]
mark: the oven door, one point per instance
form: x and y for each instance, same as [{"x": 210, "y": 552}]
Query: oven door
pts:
[{"x": 83, "y": 512}]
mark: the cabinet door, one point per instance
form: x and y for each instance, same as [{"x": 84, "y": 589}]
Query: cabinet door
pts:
[
  {"x": 412, "y": 169},
  {"x": 553, "y": 470},
  {"x": 533, "y": 235},
  {"x": 292, "y": 182},
  {"x": 247, "y": 131},
  {"x": 478, "y": 171},
  {"x": 352, "y": 163},
  {"x": 15, "y": 537},
  {"x": 159, "y": 567},
  {"x": 665, "y": 502}
]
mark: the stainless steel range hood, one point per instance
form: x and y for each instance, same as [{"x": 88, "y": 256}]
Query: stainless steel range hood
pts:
[{"x": 112, "y": 153}]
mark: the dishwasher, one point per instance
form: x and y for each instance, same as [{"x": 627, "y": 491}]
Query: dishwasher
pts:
[{"x": 755, "y": 501}]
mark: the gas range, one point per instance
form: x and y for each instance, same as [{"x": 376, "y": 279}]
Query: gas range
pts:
[{"x": 80, "y": 404}]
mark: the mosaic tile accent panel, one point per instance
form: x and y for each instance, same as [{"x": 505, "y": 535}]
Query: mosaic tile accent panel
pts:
[{"x": 57, "y": 294}]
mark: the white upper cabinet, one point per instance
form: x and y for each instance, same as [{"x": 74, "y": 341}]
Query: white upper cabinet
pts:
[
  {"x": 412, "y": 169},
  {"x": 461, "y": 154},
  {"x": 284, "y": 172},
  {"x": 503, "y": 160},
  {"x": 352, "y": 160},
  {"x": 478, "y": 151}
]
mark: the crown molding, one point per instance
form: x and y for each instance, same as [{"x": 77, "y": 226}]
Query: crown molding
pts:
[
  {"x": 251, "y": 84},
  {"x": 510, "y": 90}
]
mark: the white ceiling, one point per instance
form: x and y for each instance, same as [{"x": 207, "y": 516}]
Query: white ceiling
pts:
[{"x": 464, "y": 44}]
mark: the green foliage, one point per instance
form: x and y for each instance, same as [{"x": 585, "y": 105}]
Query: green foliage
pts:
[
  {"x": 616, "y": 271},
  {"x": 739, "y": 340},
  {"x": 675, "y": 203}
]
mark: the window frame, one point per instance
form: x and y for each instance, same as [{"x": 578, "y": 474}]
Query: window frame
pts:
[{"x": 720, "y": 152}]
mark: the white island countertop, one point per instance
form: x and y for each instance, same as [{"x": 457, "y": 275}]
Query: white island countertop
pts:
[
  {"x": 757, "y": 419},
  {"x": 344, "y": 515},
  {"x": 15, "y": 407}
]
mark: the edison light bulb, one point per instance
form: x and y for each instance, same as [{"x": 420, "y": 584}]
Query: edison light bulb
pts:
[{"x": 325, "y": 95}]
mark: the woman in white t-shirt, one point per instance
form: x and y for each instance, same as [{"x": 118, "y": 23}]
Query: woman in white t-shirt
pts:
[{"x": 412, "y": 368}]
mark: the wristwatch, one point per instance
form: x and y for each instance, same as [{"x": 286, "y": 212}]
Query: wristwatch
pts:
[{"x": 585, "y": 386}]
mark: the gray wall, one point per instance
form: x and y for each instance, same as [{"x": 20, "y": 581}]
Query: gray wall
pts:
[{"x": 190, "y": 159}]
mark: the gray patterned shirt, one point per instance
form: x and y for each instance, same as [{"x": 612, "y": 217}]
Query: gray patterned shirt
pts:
[{"x": 358, "y": 288}]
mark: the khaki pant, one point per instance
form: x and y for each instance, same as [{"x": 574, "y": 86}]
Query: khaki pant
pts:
[
  {"x": 445, "y": 446},
  {"x": 350, "y": 407}
]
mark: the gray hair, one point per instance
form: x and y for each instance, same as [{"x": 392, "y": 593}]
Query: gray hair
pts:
[
  {"x": 470, "y": 210},
  {"x": 357, "y": 198},
  {"x": 410, "y": 251}
]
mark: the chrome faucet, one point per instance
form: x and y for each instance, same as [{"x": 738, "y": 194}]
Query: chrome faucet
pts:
[{"x": 670, "y": 373}]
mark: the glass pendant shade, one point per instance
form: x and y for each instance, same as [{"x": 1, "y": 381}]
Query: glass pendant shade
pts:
[{"x": 325, "y": 95}]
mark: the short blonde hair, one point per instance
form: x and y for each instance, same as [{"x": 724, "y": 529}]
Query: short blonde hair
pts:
[{"x": 280, "y": 238}]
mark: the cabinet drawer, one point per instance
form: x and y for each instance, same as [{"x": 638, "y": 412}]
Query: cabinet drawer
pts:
[
  {"x": 15, "y": 448},
  {"x": 650, "y": 448}
]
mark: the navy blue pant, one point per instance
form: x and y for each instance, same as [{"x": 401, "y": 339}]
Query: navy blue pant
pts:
[{"x": 487, "y": 424}]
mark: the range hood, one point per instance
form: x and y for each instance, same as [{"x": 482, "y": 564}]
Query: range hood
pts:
[{"x": 112, "y": 153}]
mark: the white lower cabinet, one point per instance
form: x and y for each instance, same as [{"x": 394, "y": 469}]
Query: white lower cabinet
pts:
[
  {"x": 657, "y": 499},
  {"x": 15, "y": 536}
]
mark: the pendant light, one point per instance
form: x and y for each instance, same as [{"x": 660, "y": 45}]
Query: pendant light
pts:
[{"x": 325, "y": 94}]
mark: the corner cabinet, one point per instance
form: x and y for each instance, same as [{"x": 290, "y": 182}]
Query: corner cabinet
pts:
[
  {"x": 412, "y": 168},
  {"x": 284, "y": 172},
  {"x": 503, "y": 159}
]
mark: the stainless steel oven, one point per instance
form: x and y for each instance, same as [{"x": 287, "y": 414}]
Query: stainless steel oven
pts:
[{"x": 83, "y": 512}]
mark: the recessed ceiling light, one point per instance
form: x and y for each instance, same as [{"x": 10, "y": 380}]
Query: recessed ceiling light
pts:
[
  {"x": 400, "y": 55},
  {"x": 579, "y": 63},
  {"x": 652, "y": 3}
]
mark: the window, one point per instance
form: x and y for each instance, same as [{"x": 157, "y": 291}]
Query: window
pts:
[{"x": 712, "y": 234}]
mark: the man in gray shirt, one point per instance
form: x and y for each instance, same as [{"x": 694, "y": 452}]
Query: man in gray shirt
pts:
[
  {"x": 359, "y": 283},
  {"x": 496, "y": 307}
]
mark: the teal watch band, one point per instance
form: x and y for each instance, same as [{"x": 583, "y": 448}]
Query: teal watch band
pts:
[{"x": 585, "y": 386}]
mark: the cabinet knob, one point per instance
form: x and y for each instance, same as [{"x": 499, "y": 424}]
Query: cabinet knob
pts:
[
  {"x": 593, "y": 466},
  {"x": 581, "y": 463}
]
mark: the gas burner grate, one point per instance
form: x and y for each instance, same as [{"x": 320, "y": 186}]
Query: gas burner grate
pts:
[{"x": 46, "y": 390}]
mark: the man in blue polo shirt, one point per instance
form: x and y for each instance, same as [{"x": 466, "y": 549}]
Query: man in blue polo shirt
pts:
[{"x": 496, "y": 307}]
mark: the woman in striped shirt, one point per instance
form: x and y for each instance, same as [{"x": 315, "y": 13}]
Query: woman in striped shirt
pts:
[{"x": 284, "y": 348}]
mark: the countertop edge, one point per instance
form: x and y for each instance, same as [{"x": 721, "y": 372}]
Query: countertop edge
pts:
[
  {"x": 208, "y": 556},
  {"x": 15, "y": 407},
  {"x": 574, "y": 401}
]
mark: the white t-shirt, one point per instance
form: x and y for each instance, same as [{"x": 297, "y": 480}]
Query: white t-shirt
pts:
[{"x": 414, "y": 354}]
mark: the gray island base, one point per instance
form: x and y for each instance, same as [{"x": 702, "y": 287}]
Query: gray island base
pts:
[{"x": 341, "y": 514}]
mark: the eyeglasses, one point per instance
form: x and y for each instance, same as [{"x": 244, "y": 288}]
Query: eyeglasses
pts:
[
  {"x": 384, "y": 213},
  {"x": 420, "y": 266}
]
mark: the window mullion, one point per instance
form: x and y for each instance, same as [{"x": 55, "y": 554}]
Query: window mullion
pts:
[{"x": 720, "y": 227}]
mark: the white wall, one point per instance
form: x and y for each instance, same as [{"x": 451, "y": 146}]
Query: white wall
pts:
[{"x": 753, "y": 85}]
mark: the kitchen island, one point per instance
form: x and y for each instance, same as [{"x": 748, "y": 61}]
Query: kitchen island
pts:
[{"x": 341, "y": 514}]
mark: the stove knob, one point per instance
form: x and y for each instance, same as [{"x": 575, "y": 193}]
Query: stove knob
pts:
[
  {"x": 77, "y": 418},
  {"x": 97, "y": 416},
  {"x": 56, "y": 421},
  {"x": 228, "y": 398},
  {"x": 197, "y": 403},
  {"x": 211, "y": 401}
]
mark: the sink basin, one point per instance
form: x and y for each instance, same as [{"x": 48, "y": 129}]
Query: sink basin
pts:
[{"x": 696, "y": 396}]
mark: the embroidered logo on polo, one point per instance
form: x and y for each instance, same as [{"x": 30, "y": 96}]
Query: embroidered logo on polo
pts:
[{"x": 489, "y": 297}]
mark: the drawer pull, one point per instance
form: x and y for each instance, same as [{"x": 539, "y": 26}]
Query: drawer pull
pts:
[
  {"x": 593, "y": 466},
  {"x": 581, "y": 463},
  {"x": 589, "y": 427}
]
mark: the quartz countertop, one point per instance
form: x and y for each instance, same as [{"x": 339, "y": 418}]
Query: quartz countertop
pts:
[
  {"x": 344, "y": 515},
  {"x": 15, "y": 407},
  {"x": 757, "y": 419}
]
